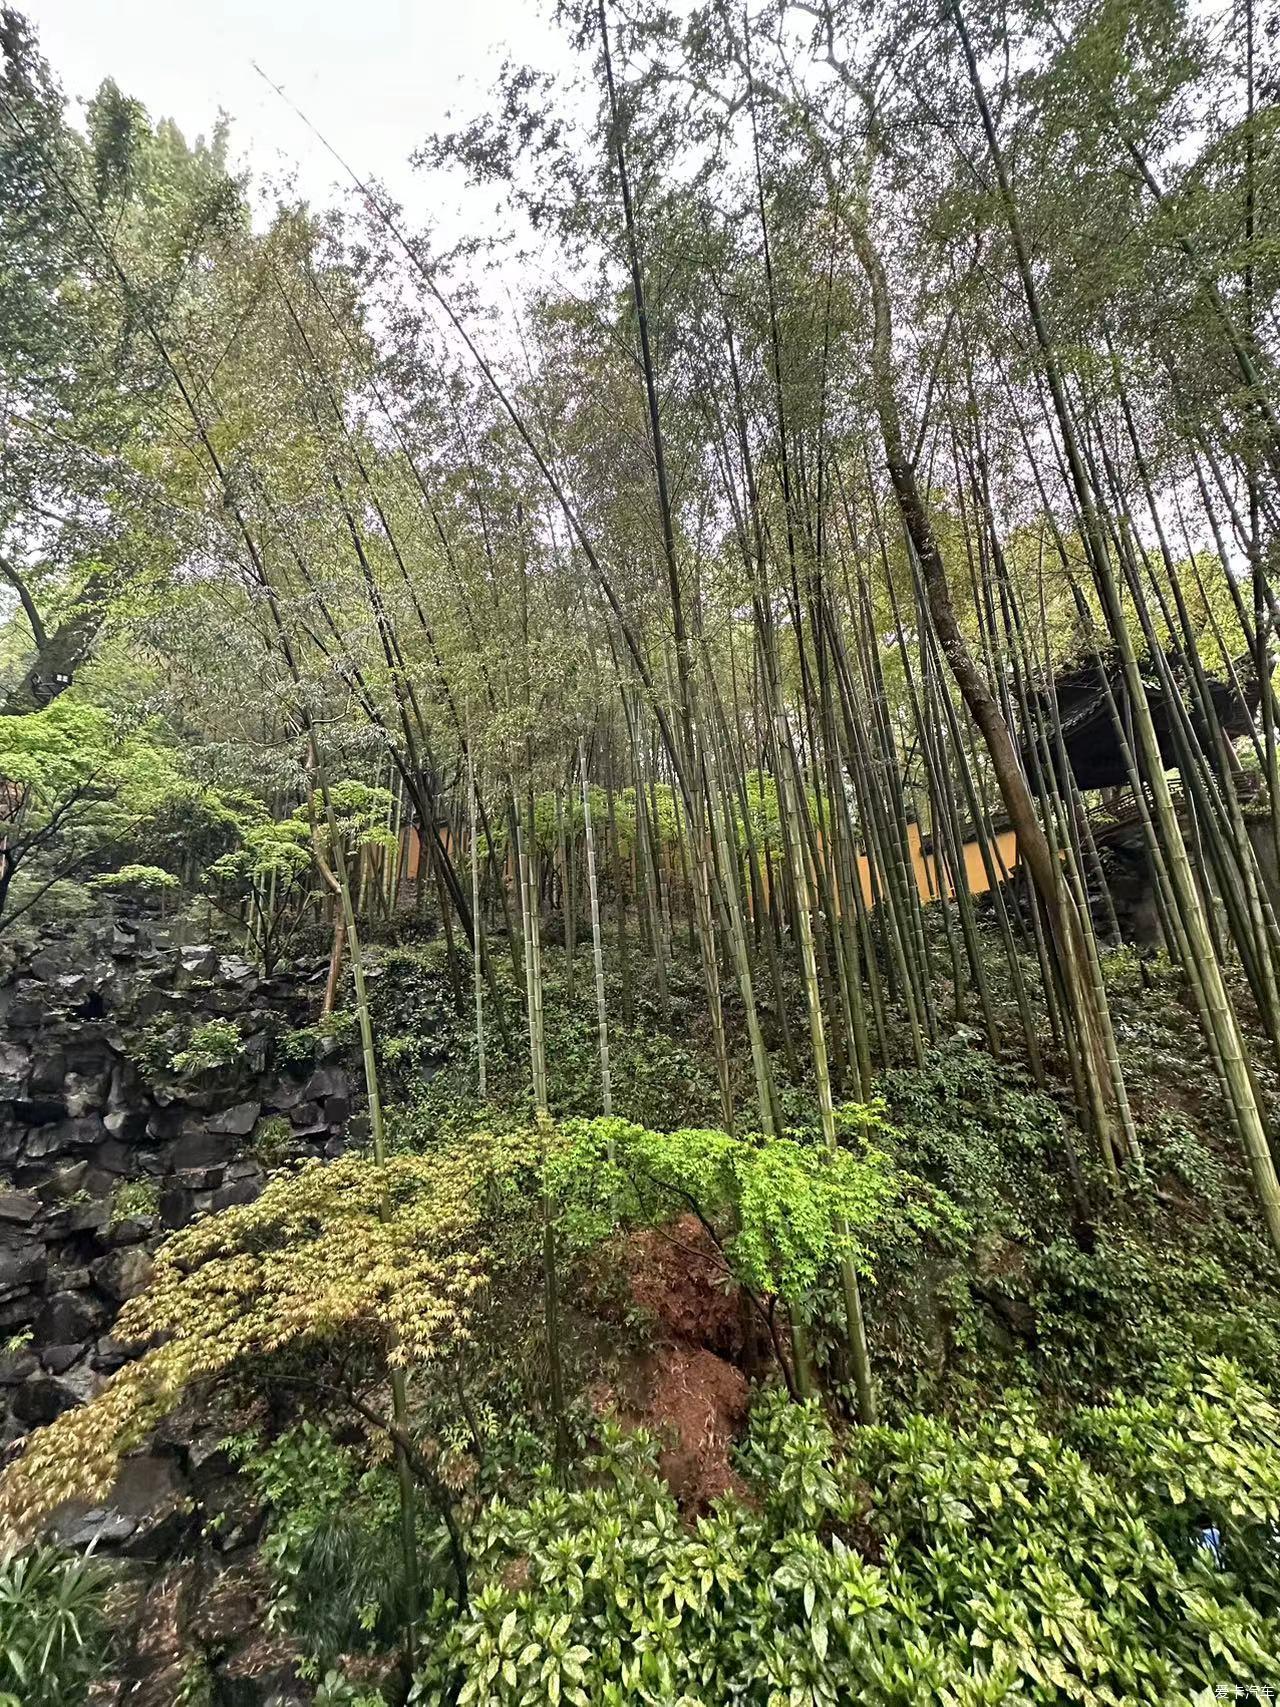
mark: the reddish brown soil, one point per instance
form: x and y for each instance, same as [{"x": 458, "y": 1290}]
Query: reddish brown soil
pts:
[
  {"x": 697, "y": 1404},
  {"x": 690, "y": 1391},
  {"x": 677, "y": 1274}
]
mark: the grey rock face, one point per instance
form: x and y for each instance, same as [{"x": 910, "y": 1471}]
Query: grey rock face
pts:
[
  {"x": 63, "y": 1137},
  {"x": 15, "y": 1367},
  {"x": 15, "y": 1064},
  {"x": 71, "y": 1218},
  {"x": 237, "y": 1121},
  {"x": 85, "y": 1119},
  {"x": 97, "y": 1527},
  {"x": 285, "y": 1094},
  {"x": 87, "y": 1092},
  {"x": 127, "y": 1124},
  {"x": 306, "y": 1117},
  {"x": 41, "y": 1398},
  {"x": 326, "y": 1082},
  {"x": 147, "y": 1490},
  {"x": 165, "y": 1124},
  {"x": 68, "y": 1317},
  {"x": 198, "y": 1149},
  {"x": 22, "y": 1266},
  {"x": 121, "y": 1275},
  {"x": 57, "y": 1359},
  {"x": 239, "y": 1191}
]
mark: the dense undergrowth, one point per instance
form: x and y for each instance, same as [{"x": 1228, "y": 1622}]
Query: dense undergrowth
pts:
[
  {"x": 979, "y": 1274},
  {"x": 1129, "y": 1557},
  {"x": 1074, "y": 1493},
  {"x": 849, "y": 1275}
]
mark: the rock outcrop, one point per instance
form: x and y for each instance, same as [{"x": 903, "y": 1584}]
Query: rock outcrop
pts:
[{"x": 104, "y": 1147}]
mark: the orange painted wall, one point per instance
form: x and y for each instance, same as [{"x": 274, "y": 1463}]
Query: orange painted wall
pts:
[
  {"x": 925, "y": 867},
  {"x": 928, "y": 868}
]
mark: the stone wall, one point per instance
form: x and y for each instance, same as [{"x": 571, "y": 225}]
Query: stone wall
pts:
[{"x": 104, "y": 1149}]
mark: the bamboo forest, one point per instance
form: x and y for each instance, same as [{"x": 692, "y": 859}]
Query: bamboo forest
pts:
[{"x": 640, "y": 871}]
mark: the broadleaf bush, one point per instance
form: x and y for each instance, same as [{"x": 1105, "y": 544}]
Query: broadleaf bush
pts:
[{"x": 1002, "y": 1564}]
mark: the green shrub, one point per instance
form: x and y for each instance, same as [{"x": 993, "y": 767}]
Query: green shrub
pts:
[
  {"x": 1002, "y": 1564},
  {"x": 196, "y": 1686},
  {"x": 299, "y": 1048},
  {"x": 974, "y": 1126},
  {"x": 137, "y": 880},
  {"x": 331, "y": 1547},
  {"x": 1110, "y": 1316},
  {"x": 134, "y": 1200},
  {"x": 271, "y": 1140},
  {"x": 151, "y": 1047},
  {"x": 1173, "y": 1147},
  {"x": 53, "y": 1629},
  {"x": 334, "y": 1690},
  {"x": 213, "y": 1045},
  {"x": 790, "y": 1209}
]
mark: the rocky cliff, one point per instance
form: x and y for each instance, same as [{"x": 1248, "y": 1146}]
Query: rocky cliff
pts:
[{"x": 106, "y": 1144}]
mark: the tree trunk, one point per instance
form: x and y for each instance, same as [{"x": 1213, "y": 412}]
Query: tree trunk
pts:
[{"x": 1015, "y": 792}]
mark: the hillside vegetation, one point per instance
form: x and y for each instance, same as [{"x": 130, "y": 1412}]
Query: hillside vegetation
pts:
[{"x": 738, "y": 702}]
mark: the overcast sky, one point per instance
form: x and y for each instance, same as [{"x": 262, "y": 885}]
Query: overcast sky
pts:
[{"x": 375, "y": 76}]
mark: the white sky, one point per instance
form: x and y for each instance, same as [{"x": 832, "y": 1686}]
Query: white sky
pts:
[{"x": 374, "y": 76}]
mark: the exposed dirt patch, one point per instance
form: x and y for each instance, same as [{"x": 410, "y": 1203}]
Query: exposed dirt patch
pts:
[
  {"x": 697, "y": 1404},
  {"x": 689, "y": 1390},
  {"x": 678, "y": 1275}
]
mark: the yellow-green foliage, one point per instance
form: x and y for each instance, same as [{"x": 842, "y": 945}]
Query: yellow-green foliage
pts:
[
  {"x": 661, "y": 806},
  {"x": 312, "y": 1261},
  {"x": 361, "y": 813},
  {"x": 391, "y": 1259},
  {"x": 70, "y": 751},
  {"x": 269, "y": 849},
  {"x": 138, "y": 879}
]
